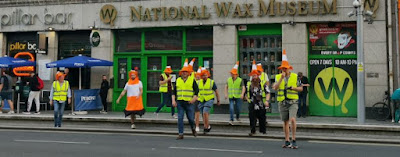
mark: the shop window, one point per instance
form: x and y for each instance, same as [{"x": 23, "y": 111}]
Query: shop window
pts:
[
  {"x": 74, "y": 43},
  {"x": 154, "y": 63},
  {"x": 153, "y": 99},
  {"x": 199, "y": 40},
  {"x": 122, "y": 72},
  {"x": 164, "y": 40},
  {"x": 128, "y": 41},
  {"x": 135, "y": 65},
  {"x": 152, "y": 80},
  {"x": 174, "y": 62}
]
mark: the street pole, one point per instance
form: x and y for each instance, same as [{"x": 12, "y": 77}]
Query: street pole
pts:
[{"x": 360, "y": 68}]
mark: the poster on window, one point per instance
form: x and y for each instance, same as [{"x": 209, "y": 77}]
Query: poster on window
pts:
[{"x": 332, "y": 39}]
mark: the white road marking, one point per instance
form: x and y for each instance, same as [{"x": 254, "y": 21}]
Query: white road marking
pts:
[
  {"x": 44, "y": 141},
  {"x": 218, "y": 150},
  {"x": 356, "y": 143}
]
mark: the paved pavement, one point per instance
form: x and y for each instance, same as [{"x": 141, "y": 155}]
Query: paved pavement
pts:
[{"x": 63, "y": 144}]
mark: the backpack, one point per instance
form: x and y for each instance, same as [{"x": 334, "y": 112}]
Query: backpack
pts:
[
  {"x": 40, "y": 83},
  {"x": 6, "y": 83}
]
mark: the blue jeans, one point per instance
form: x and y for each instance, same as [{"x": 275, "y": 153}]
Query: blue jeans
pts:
[
  {"x": 58, "y": 113},
  {"x": 167, "y": 100},
  {"x": 235, "y": 103},
  {"x": 189, "y": 108},
  {"x": 205, "y": 107},
  {"x": 302, "y": 105}
]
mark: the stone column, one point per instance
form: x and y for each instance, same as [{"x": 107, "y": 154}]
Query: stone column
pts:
[{"x": 224, "y": 56}]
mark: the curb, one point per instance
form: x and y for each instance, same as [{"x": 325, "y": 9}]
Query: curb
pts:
[
  {"x": 236, "y": 135},
  {"x": 272, "y": 124}
]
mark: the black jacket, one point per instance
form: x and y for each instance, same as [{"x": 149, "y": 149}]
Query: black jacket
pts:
[
  {"x": 34, "y": 83},
  {"x": 104, "y": 87}
]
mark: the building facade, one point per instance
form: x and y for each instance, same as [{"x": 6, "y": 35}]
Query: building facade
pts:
[{"x": 318, "y": 35}]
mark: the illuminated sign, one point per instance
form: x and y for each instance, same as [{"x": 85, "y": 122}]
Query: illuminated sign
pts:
[{"x": 24, "y": 71}]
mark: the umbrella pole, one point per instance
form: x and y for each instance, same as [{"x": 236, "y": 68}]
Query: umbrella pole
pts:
[{"x": 80, "y": 79}]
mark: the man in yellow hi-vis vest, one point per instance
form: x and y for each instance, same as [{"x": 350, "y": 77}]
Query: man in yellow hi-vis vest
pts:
[
  {"x": 288, "y": 86},
  {"x": 185, "y": 92},
  {"x": 234, "y": 90},
  {"x": 166, "y": 91},
  {"x": 207, "y": 88},
  {"x": 58, "y": 96}
]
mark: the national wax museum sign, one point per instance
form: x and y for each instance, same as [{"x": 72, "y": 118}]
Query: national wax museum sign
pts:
[{"x": 108, "y": 13}]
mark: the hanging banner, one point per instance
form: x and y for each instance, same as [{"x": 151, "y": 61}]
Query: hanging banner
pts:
[
  {"x": 87, "y": 99},
  {"x": 332, "y": 39}
]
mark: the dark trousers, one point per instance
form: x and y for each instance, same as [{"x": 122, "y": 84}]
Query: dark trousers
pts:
[
  {"x": 167, "y": 100},
  {"x": 259, "y": 115},
  {"x": 104, "y": 100},
  {"x": 302, "y": 111},
  {"x": 184, "y": 106}
]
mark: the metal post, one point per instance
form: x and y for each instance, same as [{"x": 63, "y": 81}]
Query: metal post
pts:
[{"x": 360, "y": 68}]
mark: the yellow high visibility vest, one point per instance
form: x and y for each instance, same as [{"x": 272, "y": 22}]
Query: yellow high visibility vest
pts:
[
  {"x": 234, "y": 87},
  {"x": 205, "y": 90},
  {"x": 60, "y": 92},
  {"x": 184, "y": 90},
  {"x": 164, "y": 87},
  {"x": 248, "y": 91},
  {"x": 292, "y": 82}
]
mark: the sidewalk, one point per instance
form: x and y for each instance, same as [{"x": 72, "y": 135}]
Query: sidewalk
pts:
[{"x": 310, "y": 128}]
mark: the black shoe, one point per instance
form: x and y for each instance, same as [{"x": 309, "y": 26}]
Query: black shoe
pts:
[
  {"x": 180, "y": 137},
  {"x": 252, "y": 134},
  {"x": 287, "y": 145},
  {"x": 304, "y": 116},
  {"x": 209, "y": 129},
  {"x": 194, "y": 132}
]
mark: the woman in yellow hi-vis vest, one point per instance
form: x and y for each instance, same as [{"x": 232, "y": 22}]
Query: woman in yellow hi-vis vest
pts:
[
  {"x": 288, "y": 86},
  {"x": 207, "y": 88},
  {"x": 134, "y": 104},
  {"x": 58, "y": 96}
]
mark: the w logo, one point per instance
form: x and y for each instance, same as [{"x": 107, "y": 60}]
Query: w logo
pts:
[
  {"x": 334, "y": 91},
  {"x": 108, "y": 14}
]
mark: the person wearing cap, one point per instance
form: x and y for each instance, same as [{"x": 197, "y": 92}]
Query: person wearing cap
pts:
[
  {"x": 288, "y": 86},
  {"x": 59, "y": 94},
  {"x": 134, "y": 91},
  {"x": 166, "y": 90},
  {"x": 234, "y": 90},
  {"x": 196, "y": 105},
  {"x": 207, "y": 88},
  {"x": 257, "y": 106},
  {"x": 185, "y": 92}
]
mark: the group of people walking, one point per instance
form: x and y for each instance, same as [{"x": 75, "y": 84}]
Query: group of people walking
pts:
[{"x": 194, "y": 93}]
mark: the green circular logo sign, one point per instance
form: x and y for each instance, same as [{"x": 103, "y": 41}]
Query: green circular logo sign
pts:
[{"x": 95, "y": 39}]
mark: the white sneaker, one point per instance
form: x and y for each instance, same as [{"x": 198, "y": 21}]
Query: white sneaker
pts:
[
  {"x": 230, "y": 122},
  {"x": 175, "y": 117},
  {"x": 133, "y": 126},
  {"x": 11, "y": 112},
  {"x": 26, "y": 112},
  {"x": 37, "y": 113},
  {"x": 197, "y": 129}
]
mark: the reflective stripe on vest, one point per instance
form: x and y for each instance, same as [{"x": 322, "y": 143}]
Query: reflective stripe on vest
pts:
[
  {"x": 164, "y": 87},
  {"x": 60, "y": 92},
  {"x": 248, "y": 90},
  {"x": 292, "y": 82},
  {"x": 205, "y": 90},
  {"x": 184, "y": 90},
  {"x": 234, "y": 87}
]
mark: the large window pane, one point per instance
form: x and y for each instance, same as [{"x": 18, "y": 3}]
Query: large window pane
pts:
[
  {"x": 163, "y": 40},
  {"x": 152, "y": 80},
  {"x": 175, "y": 62},
  {"x": 153, "y": 99},
  {"x": 154, "y": 63},
  {"x": 136, "y": 65},
  {"x": 128, "y": 41},
  {"x": 199, "y": 39},
  {"x": 122, "y": 72}
]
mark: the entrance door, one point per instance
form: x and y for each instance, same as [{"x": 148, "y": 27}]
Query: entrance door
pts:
[
  {"x": 153, "y": 96},
  {"x": 125, "y": 64}
]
